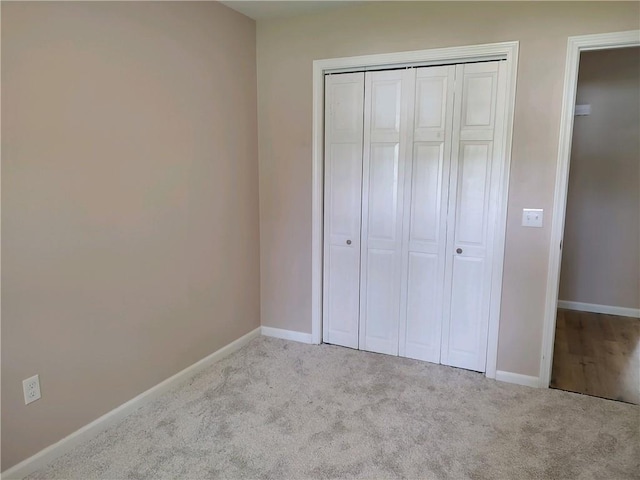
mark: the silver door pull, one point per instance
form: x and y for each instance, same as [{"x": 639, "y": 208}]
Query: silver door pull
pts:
[
  {"x": 458, "y": 250},
  {"x": 348, "y": 242}
]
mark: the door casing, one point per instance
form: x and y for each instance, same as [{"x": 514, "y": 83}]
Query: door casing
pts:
[
  {"x": 507, "y": 51},
  {"x": 575, "y": 45}
]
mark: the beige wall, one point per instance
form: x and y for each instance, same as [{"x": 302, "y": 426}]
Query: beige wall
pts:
[
  {"x": 129, "y": 203},
  {"x": 601, "y": 253},
  {"x": 286, "y": 49}
]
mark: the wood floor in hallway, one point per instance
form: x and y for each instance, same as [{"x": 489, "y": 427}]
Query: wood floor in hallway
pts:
[{"x": 597, "y": 354}]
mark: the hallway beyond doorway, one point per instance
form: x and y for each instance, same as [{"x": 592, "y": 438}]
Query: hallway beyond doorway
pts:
[{"x": 597, "y": 354}]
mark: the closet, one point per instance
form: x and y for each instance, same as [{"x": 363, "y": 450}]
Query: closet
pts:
[{"x": 410, "y": 209}]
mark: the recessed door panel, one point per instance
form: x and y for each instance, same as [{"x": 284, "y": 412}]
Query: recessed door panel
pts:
[
  {"x": 423, "y": 320},
  {"x": 344, "y": 119},
  {"x": 431, "y": 96},
  {"x": 467, "y": 310},
  {"x": 426, "y": 191},
  {"x": 383, "y": 191},
  {"x": 473, "y": 176},
  {"x": 479, "y": 91},
  {"x": 381, "y": 306},
  {"x": 478, "y": 106},
  {"x": 344, "y": 97},
  {"x": 344, "y": 198},
  {"x": 385, "y": 108},
  {"x": 342, "y": 296}
]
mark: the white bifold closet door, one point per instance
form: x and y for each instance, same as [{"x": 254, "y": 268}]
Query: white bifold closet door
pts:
[
  {"x": 410, "y": 204},
  {"x": 344, "y": 96},
  {"x": 425, "y": 215},
  {"x": 472, "y": 212},
  {"x": 386, "y": 114}
]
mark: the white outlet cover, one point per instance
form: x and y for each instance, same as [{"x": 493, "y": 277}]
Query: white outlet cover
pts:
[
  {"x": 31, "y": 389},
  {"x": 532, "y": 217}
]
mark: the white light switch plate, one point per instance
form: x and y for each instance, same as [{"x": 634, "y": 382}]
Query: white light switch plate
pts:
[{"x": 532, "y": 217}]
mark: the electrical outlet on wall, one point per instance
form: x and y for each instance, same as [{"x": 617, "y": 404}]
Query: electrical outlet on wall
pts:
[{"x": 31, "y": 389}]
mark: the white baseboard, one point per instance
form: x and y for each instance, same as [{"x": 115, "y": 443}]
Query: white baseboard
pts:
[
  {"x": 286, "y": 334},
  {"x": 84, "y": 434},
  {"x": 606, "y": 309},
  {"x": 517, "y": 378}
]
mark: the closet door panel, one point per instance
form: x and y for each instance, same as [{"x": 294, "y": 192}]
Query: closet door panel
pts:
[
  {"x": 471, "y": 214},
  {"x": 381, "y": 241},
  {"x": 386, "y": 97},
  {"x": 342, "y": 297},
  {"x": 426, "y": 191},
  {"x": 478, "y": 108},
  {"x": 424, "y": 275},
  {"x": 479, "y": 97},
  {"x": 382, "y": 197},
  {"x": 466, "y": 306},
  {"x": 425, "y": 215},
  {"x": 433, "y": 87},
  {"x": 423, "y": 319},
  {"x": 344, "y": 97},
  {"x": 381, "y": 304},
  {"x": 472, "y": 195},
  {"x": 343, "y": 191},
  {"x": 344, "y": 201}
]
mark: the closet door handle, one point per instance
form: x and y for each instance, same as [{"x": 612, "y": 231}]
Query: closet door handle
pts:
[
  {"x": 458, "y": 250},
  {"x": 348, "y": 242}
]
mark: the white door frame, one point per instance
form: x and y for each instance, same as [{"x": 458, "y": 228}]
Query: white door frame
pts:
[
  {"x": 575, "y": 46},
  {"x": 495, "y": 51}
]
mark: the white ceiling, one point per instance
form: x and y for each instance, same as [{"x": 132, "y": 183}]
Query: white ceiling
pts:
[{"x": 262, "y": 10}]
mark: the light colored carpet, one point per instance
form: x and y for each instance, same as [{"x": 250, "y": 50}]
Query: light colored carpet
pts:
[{"x": 279, "y": 409}]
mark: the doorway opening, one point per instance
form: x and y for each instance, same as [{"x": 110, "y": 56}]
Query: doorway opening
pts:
[{"x": 596, "y": 348}]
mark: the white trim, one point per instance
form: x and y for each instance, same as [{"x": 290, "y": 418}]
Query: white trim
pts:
[
  {"x": 594, "y": 308},
  {"x": 575, "y": 45},
  {"x": 517, "y": 378},
  {"x": 84, "y": 434},
  {"x": 286, "y": 334},
  {"x": 505, "y": 50},
  {"x": 317, "y": 194},
  {"x": 439, "y": 56},
  {"x": 501, "y": 221}
]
